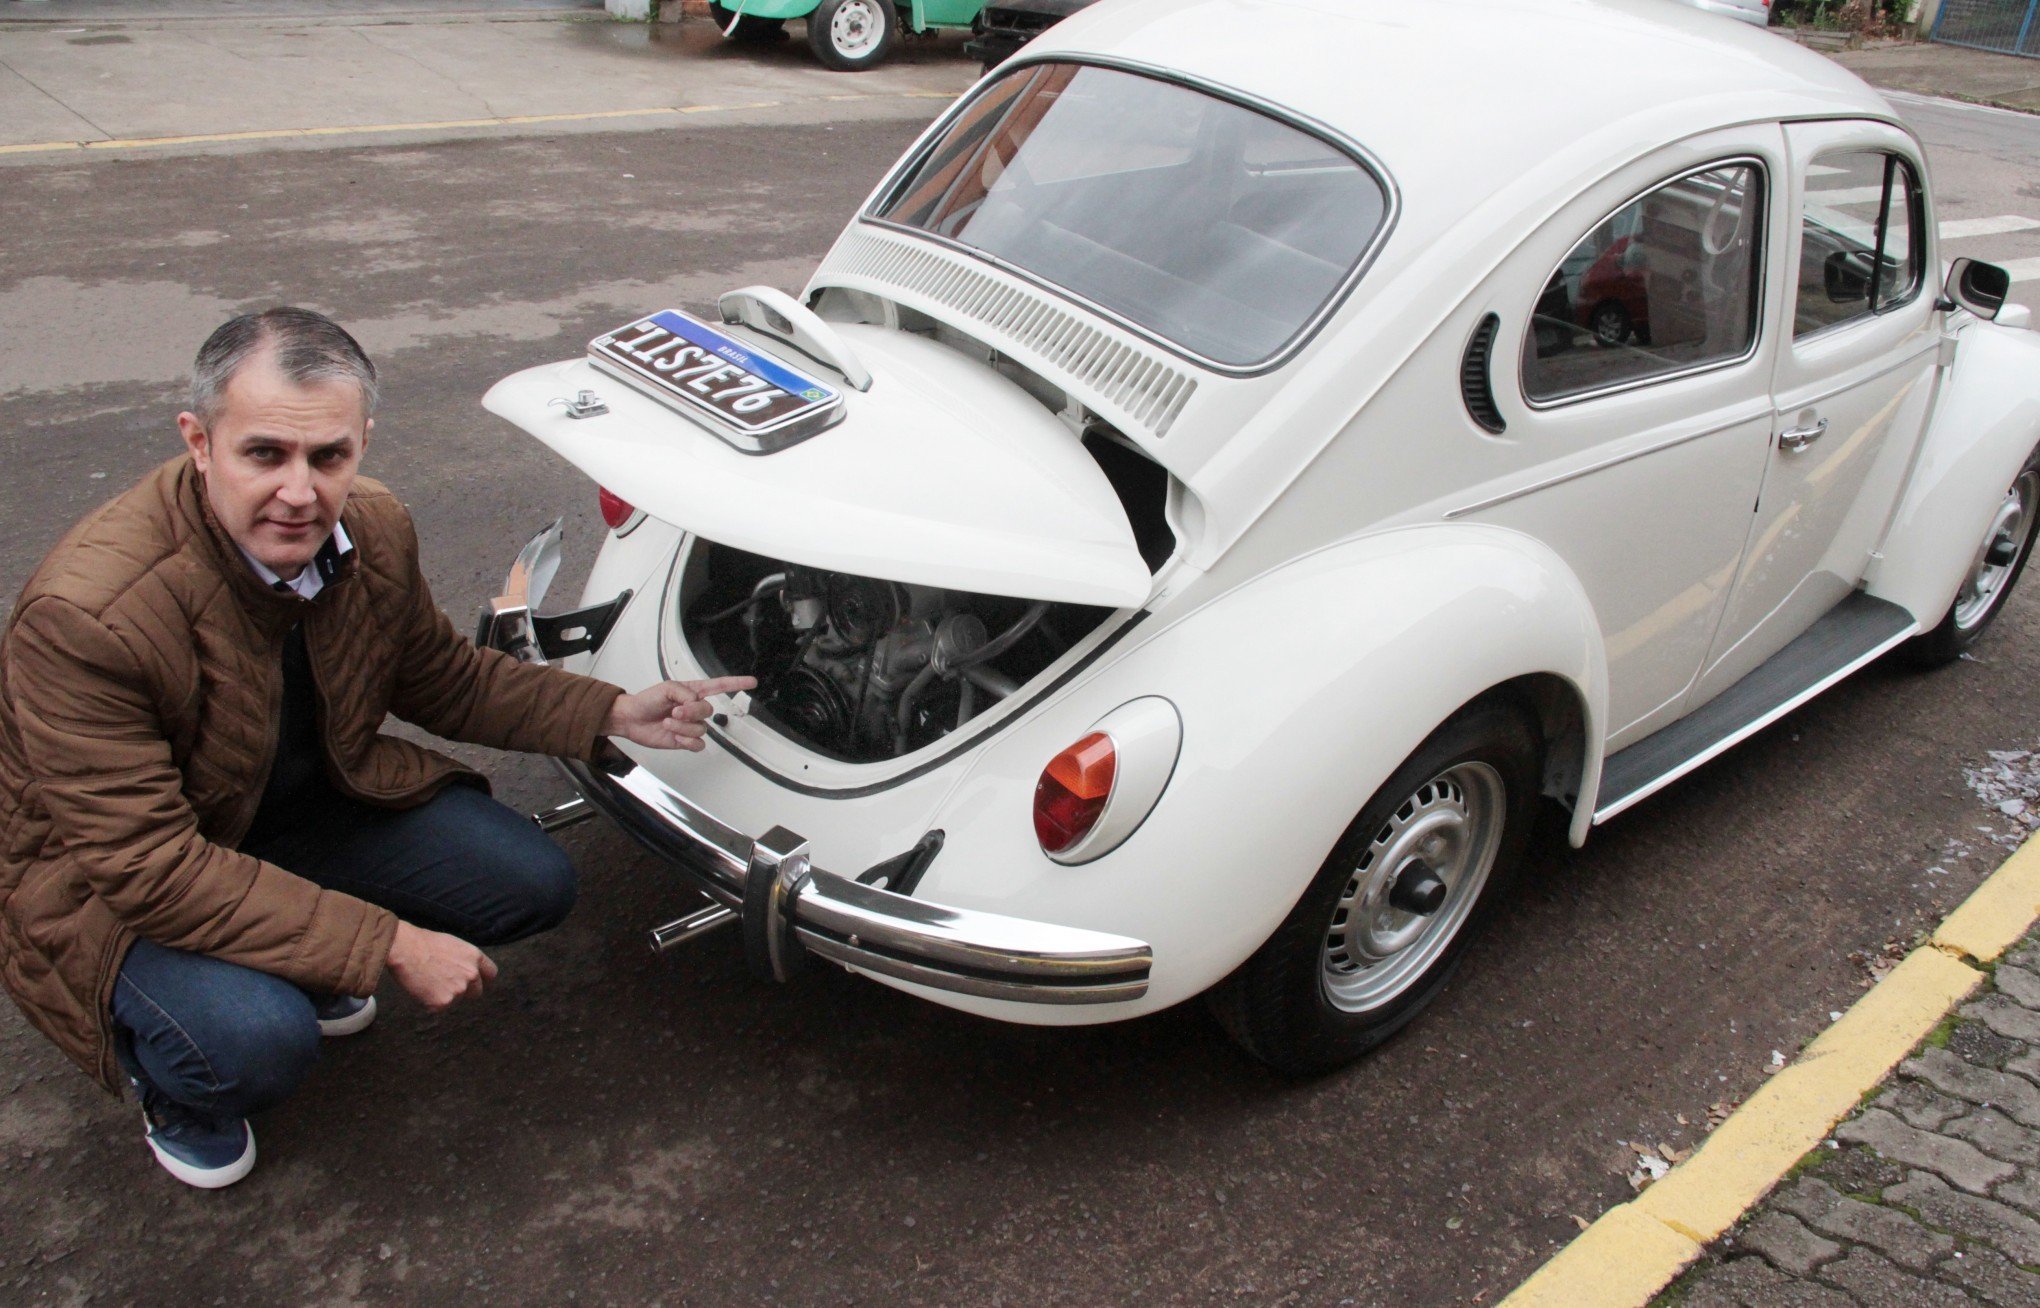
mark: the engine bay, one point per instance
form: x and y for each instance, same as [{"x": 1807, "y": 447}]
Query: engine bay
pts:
[{"x": 860, "y": 668}]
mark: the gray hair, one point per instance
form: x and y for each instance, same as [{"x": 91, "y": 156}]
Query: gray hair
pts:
[{"x": 309, "y": 347}]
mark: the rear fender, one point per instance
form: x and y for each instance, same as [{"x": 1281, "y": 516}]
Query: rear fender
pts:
[
  {"x": 1985, "y": 424},
  {"x": 1299, "y": 692}
]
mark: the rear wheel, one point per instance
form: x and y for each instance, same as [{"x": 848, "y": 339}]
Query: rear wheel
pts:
[
  {"x": 1389, "y": 914},
  {"x": 852, "y": 35},
  {"x": 750, "y": 29},
  {"x": 2007, "y": 544}
]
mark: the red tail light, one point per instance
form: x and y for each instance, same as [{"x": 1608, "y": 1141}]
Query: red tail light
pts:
[
  {"x": 1072, "y": 792},
  {"x": 615, "y": 509}
]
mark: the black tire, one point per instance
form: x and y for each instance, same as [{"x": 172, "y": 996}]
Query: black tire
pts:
[
  {"x": 750, "y": 29},
  {"x": 1280, "y": 1005},
  {"x": 853, "y": 35},
  {"x": 1990, "y": 581},
  {"x": 1609, "y": 322}
]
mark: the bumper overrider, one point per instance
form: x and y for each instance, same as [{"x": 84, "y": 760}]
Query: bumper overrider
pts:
[{"x": 786, "y": 906}]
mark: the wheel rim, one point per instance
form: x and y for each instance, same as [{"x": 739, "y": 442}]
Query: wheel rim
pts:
[
  {"x": 855, "y": 28},
  {"x": 1610, "y": 326},
  {"x": 1987, "y": 580},
  {"x": 1452, "y": 827}
]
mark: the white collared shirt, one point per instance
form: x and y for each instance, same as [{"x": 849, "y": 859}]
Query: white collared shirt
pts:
[{"x": 308, "y": 583}]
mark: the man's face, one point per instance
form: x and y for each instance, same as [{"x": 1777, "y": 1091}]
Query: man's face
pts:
[{"x": 279, "y": 460}]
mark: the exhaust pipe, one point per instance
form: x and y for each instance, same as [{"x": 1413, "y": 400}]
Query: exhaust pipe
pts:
[
  {"x": 698, "y": 923},
  {"x": 560, "y": 816}
]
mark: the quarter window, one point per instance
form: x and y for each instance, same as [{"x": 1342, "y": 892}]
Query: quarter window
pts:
[
  {"x": 1668, "y": 283},
  {"x": 1859, "y": 242}
]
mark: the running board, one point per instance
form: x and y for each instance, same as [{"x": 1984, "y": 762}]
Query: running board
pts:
[{"x": 1853, "y": 633}]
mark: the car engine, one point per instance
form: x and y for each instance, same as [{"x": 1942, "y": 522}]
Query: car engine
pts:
[{"x": 861, "y": 668}]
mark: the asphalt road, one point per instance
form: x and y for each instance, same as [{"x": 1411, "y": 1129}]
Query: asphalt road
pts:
[{"x": 608, "y": 1127}]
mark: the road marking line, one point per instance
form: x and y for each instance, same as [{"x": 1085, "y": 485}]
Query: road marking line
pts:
[
  {"x": 2022, "y": 270},
  {"x": 1844, "y": 195},
  {"x": 1956, "y": 229},
  {"x": 448, "y": 124},
  {"x": 1636, "y": 1249}
]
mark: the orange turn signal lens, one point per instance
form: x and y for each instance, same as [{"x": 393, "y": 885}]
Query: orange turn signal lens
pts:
[{"x": 1071, "y": 794}]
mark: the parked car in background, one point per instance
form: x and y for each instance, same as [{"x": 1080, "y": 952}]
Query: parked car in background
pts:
[
  {"x": 1178, "y": 559},
  {"x": 847, "y": 35},
  {"x": 1756, "y": 12},
  {"x": 1003, "y": 28}
]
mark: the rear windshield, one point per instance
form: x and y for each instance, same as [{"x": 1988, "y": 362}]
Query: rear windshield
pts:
[{"x": 1206, "y": 223}]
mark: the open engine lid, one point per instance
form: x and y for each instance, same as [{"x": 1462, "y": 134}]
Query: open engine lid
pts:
[{"x": 942, "y": 473}]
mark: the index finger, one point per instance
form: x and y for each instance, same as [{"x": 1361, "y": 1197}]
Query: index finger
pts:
[
  {"x": 722, "y": 685},
  {"x": 487, "y": 966}
]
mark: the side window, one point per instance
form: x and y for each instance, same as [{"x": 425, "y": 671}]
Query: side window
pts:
[
  {"x": 1668, "y": 283},
  {"x": 1859, "y": 242}
]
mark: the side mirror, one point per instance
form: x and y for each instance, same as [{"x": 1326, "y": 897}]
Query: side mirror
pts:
[
  {"x": 1978, "y": 287},
  {"x": 1847, "y": 274}
]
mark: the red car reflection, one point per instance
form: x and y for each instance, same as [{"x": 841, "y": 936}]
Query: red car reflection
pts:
[{"x": 1611, "y": 302}]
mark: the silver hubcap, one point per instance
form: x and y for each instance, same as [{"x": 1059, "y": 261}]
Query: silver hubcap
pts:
[
  {"x": 2007, "y": 534},
  {"x": 1451, "y": 827},
  {"x": 854, "y": 29}
]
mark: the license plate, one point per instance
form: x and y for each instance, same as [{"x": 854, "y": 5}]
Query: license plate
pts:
[{"x": 752, "y": 400}]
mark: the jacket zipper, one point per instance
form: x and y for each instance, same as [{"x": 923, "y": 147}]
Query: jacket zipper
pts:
[{"x": 251, "y": 804}]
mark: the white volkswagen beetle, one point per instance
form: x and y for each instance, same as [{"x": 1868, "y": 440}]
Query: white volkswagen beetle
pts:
[{"x": 1205, "y": 500}]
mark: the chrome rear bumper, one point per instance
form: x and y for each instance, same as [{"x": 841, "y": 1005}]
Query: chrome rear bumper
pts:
[{"x": 788, "y": 908}]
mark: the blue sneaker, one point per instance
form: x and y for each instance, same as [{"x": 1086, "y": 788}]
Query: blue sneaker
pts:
[
  {"x": 196, "y": 1148},
  {"x": 341, "y": 1015}
]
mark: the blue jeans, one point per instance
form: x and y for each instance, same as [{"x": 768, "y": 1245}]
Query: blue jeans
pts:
[{"x": 229, "y": 1041}]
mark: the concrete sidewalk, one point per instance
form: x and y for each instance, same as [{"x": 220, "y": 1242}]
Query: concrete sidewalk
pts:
[
  {"x": 1954, "y": 72},
  {"x": 73, "y": 74}
]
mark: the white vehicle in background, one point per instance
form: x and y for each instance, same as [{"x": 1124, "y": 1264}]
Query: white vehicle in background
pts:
[
  {"x": 1748, "y": 11},
  {"x": 1183, "y": 529}
]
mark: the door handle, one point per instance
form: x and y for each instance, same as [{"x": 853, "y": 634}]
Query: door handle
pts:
[{"x": 1798, "y": 438}]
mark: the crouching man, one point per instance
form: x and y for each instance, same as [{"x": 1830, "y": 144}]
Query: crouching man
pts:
[{"x": 209, "y": 853}]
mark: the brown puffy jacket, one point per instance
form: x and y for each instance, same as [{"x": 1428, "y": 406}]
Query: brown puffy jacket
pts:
[{"x": 140, "y": 681}]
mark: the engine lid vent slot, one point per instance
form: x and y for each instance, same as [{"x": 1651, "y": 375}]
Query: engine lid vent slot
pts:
[
  {"x": 1146, "y": 391},
  {"x": 1474, "y": 386}
]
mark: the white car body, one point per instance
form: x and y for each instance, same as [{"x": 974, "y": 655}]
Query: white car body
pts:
[{"x": 1355, "y": 557}]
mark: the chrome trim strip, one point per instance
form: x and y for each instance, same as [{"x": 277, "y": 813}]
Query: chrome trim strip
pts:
[
  {"x": 1751, "y": 728},
  {"x": 1391, "y": 212},
  {"x": 983, "y": 942},
  {"x": 982, "y": 987},
  {"x": 1602, "y": 466}
]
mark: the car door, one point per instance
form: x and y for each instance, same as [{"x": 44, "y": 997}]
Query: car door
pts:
[
  {"x": 1852, "y": 387},
  {"x": 1645, "y": 392}
]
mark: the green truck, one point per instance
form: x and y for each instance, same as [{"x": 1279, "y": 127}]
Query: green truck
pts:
[{"x": 850, "y": 35}]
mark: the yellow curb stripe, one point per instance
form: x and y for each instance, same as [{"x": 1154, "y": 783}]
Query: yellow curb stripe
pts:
[
  {"x": 442, "y": 125},
  {"x": 1994, "y": 918},
  {"x": 1795, "y": 1110},
  {"x": 1623, "y": 1258},
  {"x": 1636, "y": 1249}
]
